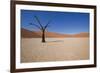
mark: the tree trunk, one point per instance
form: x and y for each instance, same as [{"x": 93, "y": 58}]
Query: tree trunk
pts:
[{"x": 43, "y": 36}]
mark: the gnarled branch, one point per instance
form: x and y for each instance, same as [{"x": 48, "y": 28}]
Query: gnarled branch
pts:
[
  {"x": 36, "y": 26},
  {"x": 47, "y": 24},
  {"x": 38, "y": 21}
]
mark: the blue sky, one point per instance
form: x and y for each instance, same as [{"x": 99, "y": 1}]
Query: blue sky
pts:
[{"x": 61, "y": 22}]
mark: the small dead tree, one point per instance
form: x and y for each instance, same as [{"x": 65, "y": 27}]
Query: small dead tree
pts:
[{"x": 41, "y": 27}]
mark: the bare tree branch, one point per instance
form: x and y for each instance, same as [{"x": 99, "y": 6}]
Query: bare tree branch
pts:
[
  {"x": 39, "y": 21},
  {"x": 47, "y": 24},
  {"x": 36, "y": 26}
]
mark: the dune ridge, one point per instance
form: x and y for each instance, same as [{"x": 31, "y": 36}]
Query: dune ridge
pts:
[{"x": 37, "y": 34}]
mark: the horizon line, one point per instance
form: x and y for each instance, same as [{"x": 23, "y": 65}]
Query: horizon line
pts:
[{"x": 55, "y": 32}]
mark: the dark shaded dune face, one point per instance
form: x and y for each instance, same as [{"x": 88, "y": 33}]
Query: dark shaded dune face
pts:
[
  {"x": 29, "y": 34},
  {"x": 34, "y": 34}
]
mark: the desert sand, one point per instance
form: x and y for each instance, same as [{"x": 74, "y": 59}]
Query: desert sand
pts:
[{"x": 55, "y": 49}]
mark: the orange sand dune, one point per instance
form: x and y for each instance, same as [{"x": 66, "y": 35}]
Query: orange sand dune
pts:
[{"x": 34, "y": 34}]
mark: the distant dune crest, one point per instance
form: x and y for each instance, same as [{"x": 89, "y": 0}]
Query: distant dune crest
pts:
[{"x": 33, "y": 34}]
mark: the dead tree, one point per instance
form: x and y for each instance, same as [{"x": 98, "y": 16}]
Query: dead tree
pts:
[{"x": 41, "y": 27}]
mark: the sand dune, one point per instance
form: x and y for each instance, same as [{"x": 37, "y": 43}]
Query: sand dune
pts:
[
  {"x": 58, "y": 47},
  {"x": 33, "y": 34},
  {"x": 29, "y": 34}
]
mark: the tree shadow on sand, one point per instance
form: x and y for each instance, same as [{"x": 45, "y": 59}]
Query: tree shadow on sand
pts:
[{"x": 56, "y": 41}]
